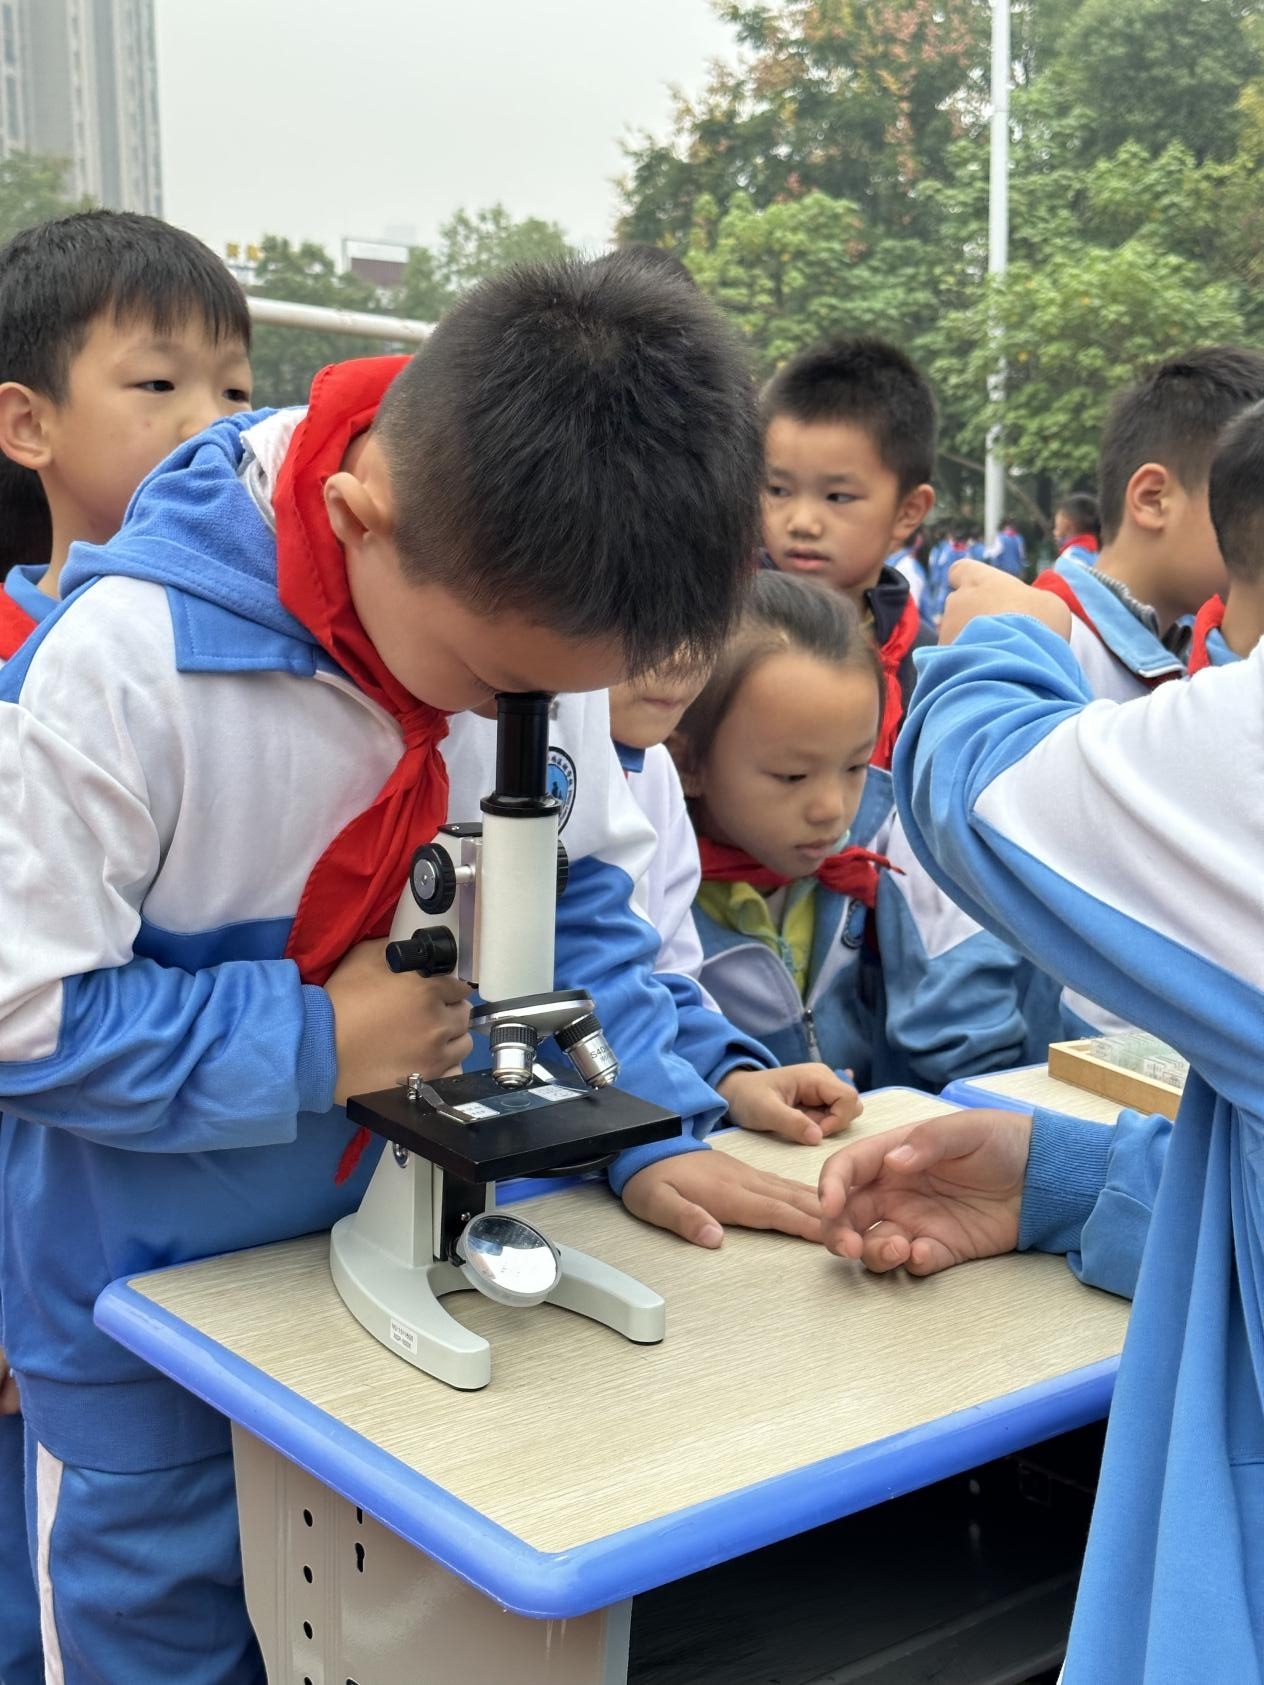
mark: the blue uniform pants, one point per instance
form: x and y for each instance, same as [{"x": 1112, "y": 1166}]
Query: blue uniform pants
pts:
[
  {"x": 143, "y": 1574},
  {"x": 20, "y": 1655}
]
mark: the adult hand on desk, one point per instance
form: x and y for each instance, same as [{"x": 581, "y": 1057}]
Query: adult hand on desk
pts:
[
  {"x": 929, "y": 1195},
  {"x": 695, "y": 1194},
  {"x": 980, "y": 589},
  {"x": 387, "y": 1025},
  {"x": 798, "y": 1102}
]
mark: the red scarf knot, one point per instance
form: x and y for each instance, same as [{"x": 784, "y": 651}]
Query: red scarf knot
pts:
[
  {"x": 892, "y": 654},
  {"x": 1209, "y": 618},
  {"x": 852, "y": 871}
]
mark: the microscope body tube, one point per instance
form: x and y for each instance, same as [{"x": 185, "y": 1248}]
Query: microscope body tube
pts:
[
  {"x": 517, "y": 876},
  {"x": 517, "y": 905}
]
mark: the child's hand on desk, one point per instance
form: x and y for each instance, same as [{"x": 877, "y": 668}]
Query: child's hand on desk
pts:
[
  {"x": 10, "y": 1404},
  {"x": 798, "y": 1102},
  {"x": 929, "y": 1195},
  {"x": 388, "y": 1025},
  {"x": 695, "y": 1194},
  {"x": 980, "y": 589}
]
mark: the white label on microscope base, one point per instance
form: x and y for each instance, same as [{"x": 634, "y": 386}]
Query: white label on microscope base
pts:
[{"x": 402, "y": 1335}]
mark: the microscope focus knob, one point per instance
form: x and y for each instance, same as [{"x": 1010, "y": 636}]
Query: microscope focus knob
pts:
[
  {"x": 431, "y": 952},
  {"x": 433, "y": 878},
  {"x": 563, "y": 869}
]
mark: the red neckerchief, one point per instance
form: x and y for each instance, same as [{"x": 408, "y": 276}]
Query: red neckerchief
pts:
[
  {"x": 16, "y": 626},
  {"x": 1082, "y": 541},
  {"x": 852, "y": 871},
  {"x": 1209, "y": 618},
  {"x": 353, "y": 888},
  {"x": 892, "y": 654}
]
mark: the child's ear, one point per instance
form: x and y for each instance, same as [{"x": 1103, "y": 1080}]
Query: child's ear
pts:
[
  {"x": 24, "y": 434},
  {"x": 914, "y": 508},
  {"x": 354, "y": 512},
  {"x": 1148, "y": 497}
]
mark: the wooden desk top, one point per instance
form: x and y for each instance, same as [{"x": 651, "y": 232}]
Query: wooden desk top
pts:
[
  {"x": 1032, "y": 1085},
  {"x": 779, "y": 1357}
]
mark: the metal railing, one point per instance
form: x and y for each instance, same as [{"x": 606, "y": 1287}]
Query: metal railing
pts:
[{"x": 364, "y": 324}]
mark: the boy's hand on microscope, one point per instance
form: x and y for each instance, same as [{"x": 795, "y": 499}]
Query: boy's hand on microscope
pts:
[
  {"x": 929, "y": 1195},
  {"x": 695, "y": 1194},
  {"x": 798, "y": 1102},
  {"x": 10, "y": 1404},
  {"x": 387, "y": 1025},
  {"x": 980, "y": 589}
]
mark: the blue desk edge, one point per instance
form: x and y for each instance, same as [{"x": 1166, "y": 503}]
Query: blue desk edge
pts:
[
  {"x": 560, "y": 1585},
  {"x": 974, "y": 1091}
]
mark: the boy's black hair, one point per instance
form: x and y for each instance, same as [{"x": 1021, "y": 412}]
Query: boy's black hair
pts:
[
  {"x": 578, "y": 443},
  {"x": 1236, "y": 494},
  {"x": 1174, "y": 417},
  {"x": 1080, "y": 508},
  {"x": 870, "y": 384},
  {"x": 780, "y": 613},
  {"x": 58, "y": 278}
]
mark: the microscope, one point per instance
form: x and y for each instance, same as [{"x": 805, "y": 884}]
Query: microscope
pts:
[{"x": 481, "y": 904}]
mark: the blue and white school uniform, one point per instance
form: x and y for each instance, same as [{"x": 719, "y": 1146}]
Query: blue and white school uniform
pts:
[
  {"x": 181, "y": 753},
  {"x": 1005, "y": 765},
  {"x": 21, "y": 1657}
]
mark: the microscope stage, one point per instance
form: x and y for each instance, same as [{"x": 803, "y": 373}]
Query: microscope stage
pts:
[{"x": 485, "y": 1133}]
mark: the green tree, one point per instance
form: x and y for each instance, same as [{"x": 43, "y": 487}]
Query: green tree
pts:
[
  {"x": 471, "y": 246},
  {"x": 475, "y": 244},
  {"x": 857, "y": 99},
  {"x": 33, "y": 189},
  {"x": 285, "y": 359},
  {"x": 1158, "y": 71},
  {"x": 799, "y": 270},
  {"x": 1074, "y": 331}
]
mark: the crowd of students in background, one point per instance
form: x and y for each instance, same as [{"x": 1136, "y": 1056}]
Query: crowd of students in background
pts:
[{"x": 847, "y": 819}]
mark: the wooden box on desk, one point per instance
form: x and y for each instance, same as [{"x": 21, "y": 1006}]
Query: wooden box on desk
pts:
[{"x": 1132, "y": 1069}]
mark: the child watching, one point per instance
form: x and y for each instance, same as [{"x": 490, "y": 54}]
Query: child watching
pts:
[
  {"x": 1159, "y": 560},
  {"x": 229, "y": 736},
  {"x": 1077, "y": 527},
  {"x": 799, "y": 1102},
  {"x": 1163, "y": 921},
  {"x": 849, "y": 444},
  {"x": 1228, "y": 628},
  {"x": 773, "y": 757},
  {"x": 120, "y": 338}
]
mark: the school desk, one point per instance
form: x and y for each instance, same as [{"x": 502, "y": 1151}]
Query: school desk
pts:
[
  {"x": 396, "y": 1532},
  {"x": 1031, "y": 1085}
]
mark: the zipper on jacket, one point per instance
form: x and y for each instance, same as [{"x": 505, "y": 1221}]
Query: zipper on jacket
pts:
[{"x": 809, "y": 1028}]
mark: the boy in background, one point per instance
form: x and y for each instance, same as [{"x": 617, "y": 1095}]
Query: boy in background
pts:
[
  {"x": 120, "y": 337},
  {"x": 849, "y": 442},
  {"x": 1077, "y": 527},
  {"x": 1160, "y": 559}
]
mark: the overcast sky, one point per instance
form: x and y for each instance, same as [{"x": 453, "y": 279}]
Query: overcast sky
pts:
[{"x": 324, "y": 118}]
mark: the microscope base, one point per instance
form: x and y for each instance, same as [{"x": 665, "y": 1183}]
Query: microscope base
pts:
[
  {"x": 399, "y": 1305},
  {"x": 382, "y": 1261}
]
